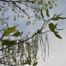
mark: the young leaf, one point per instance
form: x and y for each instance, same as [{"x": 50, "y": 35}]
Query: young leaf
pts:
[
  {"x": 47, "y": 12},
  {"x": 57, "y": 35},
  {"x": 9, "y": 30},
  {"x": 57, "y": 17},
  {"x": 17, "y": 34},
  {"x": 62, "y": 17},
  {"x": 52, "y": 27},
  {"x": 8, "y": 43},
  {"x": 35, "y": 64}
]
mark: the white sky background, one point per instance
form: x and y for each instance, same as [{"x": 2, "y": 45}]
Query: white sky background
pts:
[{"x": 57, "y": 56}]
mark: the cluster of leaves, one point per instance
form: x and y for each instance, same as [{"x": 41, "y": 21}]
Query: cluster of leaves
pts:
[
  {"x": 53, "y": 28},
  {"x": 9, "y": 31}
]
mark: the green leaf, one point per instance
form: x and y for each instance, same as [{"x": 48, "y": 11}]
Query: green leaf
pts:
[
  {"x": 47, "y": 12},
  {"x": 8, "y": 43},
  {"x": 35, "y": 64},
  {"x": 38, "y": 31},
  {"x": 9, "y": 30},
  {"x": 62, "y": 17},
  {"x": 33, "y": 1},
  {"x": 52, "y": 27},
  {"x": 57, "y": 17},
  {"x": 17, "y": 34},
  {"x": 57, "y": 35},
  {"x": 27, "y": 62}
]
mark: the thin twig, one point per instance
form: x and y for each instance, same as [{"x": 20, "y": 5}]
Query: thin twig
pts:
[{"x": 20, "y": 8}]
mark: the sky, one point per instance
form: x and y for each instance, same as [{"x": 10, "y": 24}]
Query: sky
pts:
[{"x": 57, "y": 55}]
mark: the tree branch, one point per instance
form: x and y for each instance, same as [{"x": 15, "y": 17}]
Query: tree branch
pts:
[
  {"x": 20, "y": 8},
  {"x": 38, "y": 32}
]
